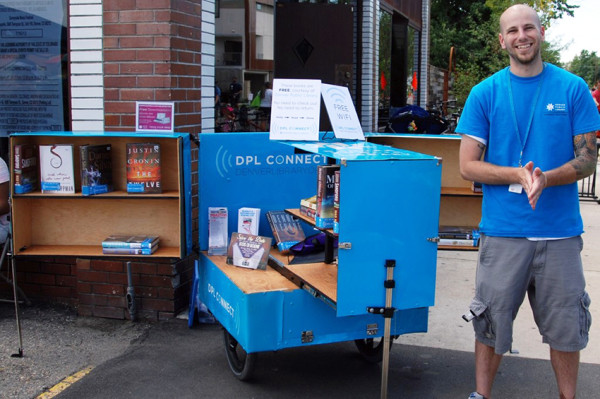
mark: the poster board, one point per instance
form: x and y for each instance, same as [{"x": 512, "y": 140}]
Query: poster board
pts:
[
  {"x": 295, "y": 109},
  {"x": 342, "y": 113},
  {"x": 154, "y": 116}
]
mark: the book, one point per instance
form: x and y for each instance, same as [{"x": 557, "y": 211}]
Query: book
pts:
[
  {"x": 336, "y": 202},
  {"x": 248, "y": 220},
  {"x": 474, "y": 242},
  {"x": 287, "y": 230},
  {"x": 325, "y": 193},
  {"x": 130, "y": 241},
  {"x": 57, "y": 174},
  {"x": 476, "y": 187},
  {"x": 129, "y": 251},
  {"x": 308, "y": 212},
  {"x": 250, "y": 251},
  {"x": 217, "y": 230},
  {"x": 143, "y": 168},
  {"x": 96, "y": 169},
  {"x": 25, "y": 168},
  {"x": 460, "y": 232}
]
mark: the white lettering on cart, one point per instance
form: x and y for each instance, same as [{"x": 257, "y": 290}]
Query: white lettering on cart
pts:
[{"x": 220, "y": 300}]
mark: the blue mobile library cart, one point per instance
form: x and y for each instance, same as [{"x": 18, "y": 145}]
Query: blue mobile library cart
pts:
[{"x": 389, "y": 203}]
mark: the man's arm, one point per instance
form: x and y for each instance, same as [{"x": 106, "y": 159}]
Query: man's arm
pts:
[{"x": 473, "y": 168}]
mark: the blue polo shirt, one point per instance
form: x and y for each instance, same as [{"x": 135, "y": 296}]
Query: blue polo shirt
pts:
[{"x": 559, "y": 106}]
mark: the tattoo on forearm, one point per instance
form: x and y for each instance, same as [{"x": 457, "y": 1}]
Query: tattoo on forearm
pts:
[{"x": 586, "y": 154}]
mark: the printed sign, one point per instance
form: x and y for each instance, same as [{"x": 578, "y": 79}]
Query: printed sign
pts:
[
  {"x": 154, "y": 116},
  {"x": 342, "y": 113},
  {"x": 295, "y": 109}
]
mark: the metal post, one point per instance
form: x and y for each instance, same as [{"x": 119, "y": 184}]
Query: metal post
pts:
[{"x": 389, "y": 285}]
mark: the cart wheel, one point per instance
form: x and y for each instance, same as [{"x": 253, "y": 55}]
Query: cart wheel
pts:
[
  {"x": 240, "y": 362},
  {"x": 371, "y": 349}
]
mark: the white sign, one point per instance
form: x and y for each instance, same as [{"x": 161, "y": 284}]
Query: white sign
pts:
[
  {"x": 154, "y": 116},
  {"x": 342, "y": 113},
  {"x": 295, "y": 109}
]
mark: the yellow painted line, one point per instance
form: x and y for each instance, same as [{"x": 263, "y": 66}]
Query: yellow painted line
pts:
[{"x": 65, "y": 383}]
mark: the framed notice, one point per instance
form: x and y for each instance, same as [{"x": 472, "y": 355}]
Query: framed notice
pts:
[
  {"x": 154, "y": 116},
  {"x": 295, "y": 109},
  {"x": 342, "y": 113}
]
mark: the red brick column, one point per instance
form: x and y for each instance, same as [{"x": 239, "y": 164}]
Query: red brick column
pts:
[{"x": 152, "y": 52}]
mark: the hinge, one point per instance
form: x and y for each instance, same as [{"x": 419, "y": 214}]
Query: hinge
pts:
[
  {"x": 307, "y": 337},
  {"x": 345, "y": 245}
]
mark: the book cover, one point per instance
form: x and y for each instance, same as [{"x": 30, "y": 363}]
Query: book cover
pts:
[
  {"x": 129, "y": 251},
  {"x": 143, "y": 168},
  {"x": 325, "y": 194},
  {"x": 96, "y": 169},
  {"x": 476, "y": 187},
  {"x": 287, "y": 230},
  {"x": 56, "y": 169},
  {"x": 249, "y": 251},
  {"x": 25, "y": 168},
  {"x": 130, "y": 241},
  {"x": 217, "y": 230},
  {"x": 336, "y": 202},
  {"x": 248, "y": 220}
]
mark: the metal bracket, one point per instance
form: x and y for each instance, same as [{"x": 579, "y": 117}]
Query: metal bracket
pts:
[
  {"x": 345, "y": 245},
  {"x": 385, "y": 312},
  {"x": 372, "y": 329},
  {"x": 307, "y": 337}
]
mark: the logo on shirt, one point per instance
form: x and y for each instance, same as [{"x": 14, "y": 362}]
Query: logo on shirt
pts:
[{"x": 556, "y": 109}]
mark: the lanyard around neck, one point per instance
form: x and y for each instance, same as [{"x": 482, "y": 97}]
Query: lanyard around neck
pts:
[{"x": 523, "y": 141}]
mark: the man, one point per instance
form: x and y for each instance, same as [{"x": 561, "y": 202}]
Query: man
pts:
[
  {"x": 596, "y": 94},
  {"x": 534, "y": 125},
  {"x": 235, "y": 90}
]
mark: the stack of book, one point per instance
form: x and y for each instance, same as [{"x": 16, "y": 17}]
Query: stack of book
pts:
[
  {"x": 308, "y": 206},
  {"x": 121, "y": 244},
  {"x": 458, "y": 236}
]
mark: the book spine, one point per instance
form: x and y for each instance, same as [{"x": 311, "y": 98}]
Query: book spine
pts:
[
  {"x": 128, "y": 251},
  {"x": 311, "y": 213},
  {"x": 85, "y": 164},
  {"x": 128, "y": 245},
  {"x": 336, "y": 202},
  {"x": 320, "y": 187},
  {"x": 273, "y": 229},
  {"x": 458, "y": 242},
  {"x": 18, "y": 156}
]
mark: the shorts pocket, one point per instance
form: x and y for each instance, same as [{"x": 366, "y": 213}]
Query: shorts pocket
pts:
[
  {"x": 482, "y": 323},
  {"x": 585, "y": 317}
]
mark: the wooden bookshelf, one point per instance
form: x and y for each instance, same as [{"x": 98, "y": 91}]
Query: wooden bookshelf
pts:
[{"x": 75, "y": 225}]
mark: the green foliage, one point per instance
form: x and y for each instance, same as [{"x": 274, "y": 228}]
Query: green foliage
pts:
[
  {"x": 471, "y": 27},
  {"x": 587, "y": 66}
]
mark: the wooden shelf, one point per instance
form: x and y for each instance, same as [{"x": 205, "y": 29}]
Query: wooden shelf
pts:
[
  {"x": 458, "y": 247},
  {"x": 90, "y": 251},
  {"x": 460, "y": 191},
  {"x": 112, "y": 194}
]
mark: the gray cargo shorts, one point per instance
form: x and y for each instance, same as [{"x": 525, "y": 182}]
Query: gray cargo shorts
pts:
[{"x": 550, "y": 272}]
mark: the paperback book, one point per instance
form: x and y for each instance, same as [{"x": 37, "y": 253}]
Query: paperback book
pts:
[
  {"x": 217, "y": 230},
  {"x": 96, "y": 169},
  {"x": 458, "y": 232},
  {"x": 143, "y": 168},
  {"x": 325, "y": 193},
  {"x": 248, "y": 220},
  {"x": 287, "y": 230},
  {"x": 249, "y": 251},
  {"x": 308, "y": 206},
  {"x": 474, "y": 242},
  {"x": 336, "y": 202},
  {"x": 129, "y": 251},
  {"x": 124, "y": 241},
  {"x": 56, "y": 169},
  {"x": 25, "y": 168}
]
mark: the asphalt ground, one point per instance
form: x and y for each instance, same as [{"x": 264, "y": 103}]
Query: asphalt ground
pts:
[{"x": 102, "y": 358}]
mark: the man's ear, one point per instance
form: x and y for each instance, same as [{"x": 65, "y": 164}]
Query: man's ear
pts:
[{"x": 501, "y": 39}]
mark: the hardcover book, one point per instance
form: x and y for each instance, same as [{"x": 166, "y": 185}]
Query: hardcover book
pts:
[
  {"x": 325, "y": 194},
  {"x": 460, "y": 232},
  {"x": 217, "y": 230},
  {"x": 143, "y": 168},
  {"x": 248, "y": 220},
  {"x": 25, "y": 168},
  {"x": 131, "y": 241},
  {"x": 250, "y": 251},
  {"x": 287, "y": 230},
  {"x": 336, "y": 202},
  {"x": 96, "y": 169},
  {"x": 129, "y": 251},
  {"x": 56, "y": 169}
]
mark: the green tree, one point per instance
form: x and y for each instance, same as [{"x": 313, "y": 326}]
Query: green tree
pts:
[
  {"x": 471, "y": 28},
  {"x": 587, "y": 66}
]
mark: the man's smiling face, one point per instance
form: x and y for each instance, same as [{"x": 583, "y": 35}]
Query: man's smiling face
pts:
[{"x": 521, "y": 34}]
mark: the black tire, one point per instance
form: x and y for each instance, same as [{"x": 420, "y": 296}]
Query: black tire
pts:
[
  {"x": 240, "y": 362},
  {"x": 371, "y": 349}
]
